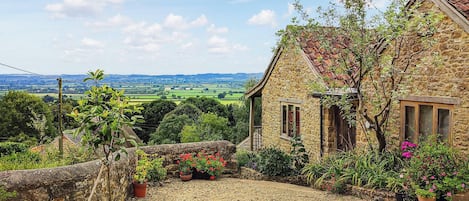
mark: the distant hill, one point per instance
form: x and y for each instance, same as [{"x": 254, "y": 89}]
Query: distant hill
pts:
[{"x": 74, "y": 83}]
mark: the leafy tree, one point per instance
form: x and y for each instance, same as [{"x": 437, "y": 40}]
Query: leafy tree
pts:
[
  {"x": 221, "y": 95},
  {"x": 208, "y": 127},
  {"x": 68, "y": 122},
  {"x": 153, "y": 113},
  {"x": 370, "y": 52},
  {"x": 27, "y": 114},
  {"x": 48, "y": 99},
  {"x": 207, "y": 105},
  {"x": 186, "y": 109},
  {"x": 102, "y": 119},
  {"x": 169, "y": 130},
  {"x": 189, "y": 134}
]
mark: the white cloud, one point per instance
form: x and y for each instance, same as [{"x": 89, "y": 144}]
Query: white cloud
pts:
[
  {"x": 265, "y": 17},
  {"x": 117, "y": 20},
  {"x": 187, "y": 45},
  {"x": 179, "y": 22},
  {"x": 220, "y": 45},
  {"x": 91, "y": 43},
  {"x": 79, "y": 8},
  {"x": 291, "y": 9},
  {"x": 217, "y": 30}
]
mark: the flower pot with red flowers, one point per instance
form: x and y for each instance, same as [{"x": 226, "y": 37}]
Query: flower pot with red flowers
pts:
[
  {"x": 186, "y": 163},
  {"x": 211, "y": 165}
]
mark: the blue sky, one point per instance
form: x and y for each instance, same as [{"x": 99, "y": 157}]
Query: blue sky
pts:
[{"x": 142, "y": 36}]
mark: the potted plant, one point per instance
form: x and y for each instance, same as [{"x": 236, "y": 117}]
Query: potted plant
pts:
[
  {"x": 186, "y": 163},
  {"x": 215, "y": 165},
  {"x": 425, "y": 195},
  {"x": 141, "y": 172}
]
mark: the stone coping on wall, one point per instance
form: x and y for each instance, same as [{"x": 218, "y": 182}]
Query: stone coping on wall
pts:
[{"x": 74, "y": 182}]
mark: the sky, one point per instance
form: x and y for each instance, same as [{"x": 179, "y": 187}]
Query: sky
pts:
[{"x": 151, "y": 37}]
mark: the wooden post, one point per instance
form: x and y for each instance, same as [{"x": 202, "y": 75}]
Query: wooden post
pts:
[
  {"x": 61, "y": 135},
  {"x": 251, "y": 122}
]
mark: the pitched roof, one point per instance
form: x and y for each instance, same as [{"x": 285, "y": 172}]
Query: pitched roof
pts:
[
  {"x": 462, "y": 6},
  {"x": 324, "y": 60},
  {"x": 320, "y": 60}
]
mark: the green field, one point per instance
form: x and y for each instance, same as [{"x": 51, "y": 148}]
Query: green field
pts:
[{"x": 232, "y": 95}]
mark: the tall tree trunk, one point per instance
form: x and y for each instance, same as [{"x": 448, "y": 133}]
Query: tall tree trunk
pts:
[{"x": 381, "y": 139}]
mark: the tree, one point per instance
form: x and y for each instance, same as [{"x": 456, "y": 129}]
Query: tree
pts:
[
  {"x": 370, "y": 55},
  {"x": 208, "y": 127},
  {"x": 102, "y": 117},
  {"x": 221, "y": 95},
  {"x": 169, "y": 131},
  {"x": 23, "y": 113},
  {"x": 187, "y": 109},
  {"x": 207, "y": 105},
  {"x": 153, "y": 113}
]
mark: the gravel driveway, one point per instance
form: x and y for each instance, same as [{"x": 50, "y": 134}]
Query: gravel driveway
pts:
[{"x": 238, "y": 190}]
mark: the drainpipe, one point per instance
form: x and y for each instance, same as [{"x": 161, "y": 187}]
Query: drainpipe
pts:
[{"x": 321, "y": 130}]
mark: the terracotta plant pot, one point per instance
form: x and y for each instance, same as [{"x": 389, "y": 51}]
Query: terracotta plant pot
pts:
[
  {"x": 461, "y": 196},
  {"x": 185, "y": 177},
  {"x": 140, "y": 190},
  {"x": 425, "y": 199},
  {"x": 213, "y": 177}
]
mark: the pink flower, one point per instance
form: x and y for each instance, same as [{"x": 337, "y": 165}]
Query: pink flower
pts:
[
  {"x": 424, "y": 178},
  {"x": 463, "y": 185},
  {"x": 432, "y": 177},
  {"x": 448, "y": 194},
  {"x": 407, "y": 154},
  {"x": 431, "y": 190}
]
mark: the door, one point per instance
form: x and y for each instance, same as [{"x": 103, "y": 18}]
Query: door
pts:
[{"x": 345, "y": 133}]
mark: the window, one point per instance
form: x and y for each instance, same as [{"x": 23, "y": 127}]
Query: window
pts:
[
  {"x": 419, "y": 120},
  {"x": 291, "y": 120}
]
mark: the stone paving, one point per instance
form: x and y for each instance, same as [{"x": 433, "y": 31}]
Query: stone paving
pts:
[{"x": 238, "y": 190}]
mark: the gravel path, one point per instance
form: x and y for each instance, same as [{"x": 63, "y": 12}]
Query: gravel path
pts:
[{"x": 238, "y": 190}]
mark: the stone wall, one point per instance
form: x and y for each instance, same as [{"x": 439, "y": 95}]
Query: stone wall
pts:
[
  {"x": 290, "y": 82},
  {"x": 75, "y": 182},
  {"x": 449, "y": 79}
]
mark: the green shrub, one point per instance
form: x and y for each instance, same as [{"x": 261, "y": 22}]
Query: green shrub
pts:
[
  {"x": 369, "y": 169},
  {"x": 156, "y": 172},
  {"x": 298, "y": 154},
  {"x": 5, "y": 195},
  {"x": 247, "y": 159},
  {"x": 7, "y": 148},
  {"x": 274, "y": 162}
]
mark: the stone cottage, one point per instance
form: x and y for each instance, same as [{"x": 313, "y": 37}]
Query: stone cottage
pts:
[
  {"x": 438, "y": 101},
  {"x": 290, "y": 109}
]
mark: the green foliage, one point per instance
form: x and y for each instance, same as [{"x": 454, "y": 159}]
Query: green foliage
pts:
[
  {"x": 208, "y": 127},
  {"x": 102, "y": 117},
  {"x": 369, "y": 169},
  {"x": 274, "y": 162},
  {"x": 153, "y": 113},
  {"x": 189, "y": 134},
  {"x": 208, "y": 105},
  {"x": 437, "y": 167},
  {"x": 25, "y": 113},
  {"x": 298, "y": 154},
  {"x": 7, "y": 148},
  {"x": 247, "y": 158},
  {"x": 169, "y": 131},
  {"x": 50, "y": 158},
  {"x": 186, "y": 109},
  {"x": 156, "y": 171},
  {"x": 23, "y": 138},
  {"x": 425, "y": 193},
  {"x": 6, "y": 195}
]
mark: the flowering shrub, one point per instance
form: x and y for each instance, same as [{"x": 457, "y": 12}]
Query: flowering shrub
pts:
[
  {"x": 202, "y": 162},
  {"x": 211, "y": 164},
  {"x": 408, "y": 149},
  {"x": 186, "y": 163},
  {"x": 435, "y": 167}
]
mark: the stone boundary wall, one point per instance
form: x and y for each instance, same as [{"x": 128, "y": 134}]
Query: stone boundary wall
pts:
[{"x": 75, "y": 182}]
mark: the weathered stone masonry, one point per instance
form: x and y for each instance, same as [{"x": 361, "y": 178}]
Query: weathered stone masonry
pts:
[{"x": 74, "y": 182}]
